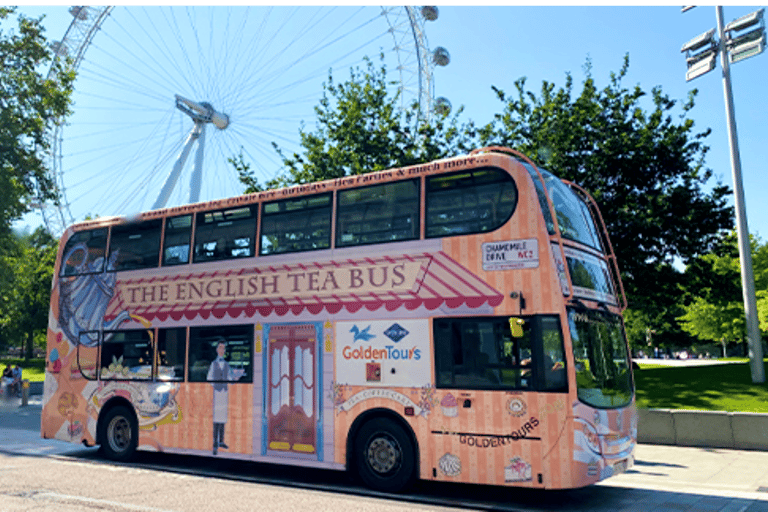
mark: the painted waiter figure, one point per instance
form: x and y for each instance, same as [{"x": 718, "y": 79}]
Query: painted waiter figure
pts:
[{"x": 219, "y": 373}]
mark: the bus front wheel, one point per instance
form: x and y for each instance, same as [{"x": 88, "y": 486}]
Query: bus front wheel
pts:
[
  {"x": 119, "y": 434},
  {"x": 384, "y": 455}
]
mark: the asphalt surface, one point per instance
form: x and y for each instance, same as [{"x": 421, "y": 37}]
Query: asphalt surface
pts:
[{"x": 664, "y": 478}]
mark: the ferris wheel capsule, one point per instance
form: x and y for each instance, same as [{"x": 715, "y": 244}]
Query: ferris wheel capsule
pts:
[
  {"x": 443, "y": 106},
  {"x": 430, "y": 12},
  {"x": 441, "y": 57}
]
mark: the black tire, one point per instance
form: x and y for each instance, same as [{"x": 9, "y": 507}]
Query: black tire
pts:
[
  {"x": 384, "y": 455},
  {"x": 119, "y": 434}
]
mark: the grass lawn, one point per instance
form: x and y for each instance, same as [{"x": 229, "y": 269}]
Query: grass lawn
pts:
[
  {"x": 33, "y": 369},
  {"x": 719, "y": 387}
]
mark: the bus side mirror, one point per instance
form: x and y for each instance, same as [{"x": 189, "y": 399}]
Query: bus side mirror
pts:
[{"x": 516, "y": 326}]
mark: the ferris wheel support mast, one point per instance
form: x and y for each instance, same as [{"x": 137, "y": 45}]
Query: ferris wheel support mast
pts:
[{"x": 201, "y": 114}]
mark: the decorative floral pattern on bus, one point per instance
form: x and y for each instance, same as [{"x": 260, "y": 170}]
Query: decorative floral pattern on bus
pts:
[
  {"x": 604, "y": 441},
  {"x": 155, "y": 403}
]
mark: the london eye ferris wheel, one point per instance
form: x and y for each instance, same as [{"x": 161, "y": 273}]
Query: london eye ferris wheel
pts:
[{"x": 165, "y": 96}]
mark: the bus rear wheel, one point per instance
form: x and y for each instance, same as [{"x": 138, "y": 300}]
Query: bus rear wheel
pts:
[
  {"x": 384, "y": 455},
  {"x": 119, "y": 434}
]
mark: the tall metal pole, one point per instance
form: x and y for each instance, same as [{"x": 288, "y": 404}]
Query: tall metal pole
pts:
[{"x": 745, "y": 248}]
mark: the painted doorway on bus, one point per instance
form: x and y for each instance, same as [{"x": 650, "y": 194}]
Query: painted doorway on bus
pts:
[{"x": 291, "y": 389}]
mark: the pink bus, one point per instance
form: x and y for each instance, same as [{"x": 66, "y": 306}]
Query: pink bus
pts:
[{"x": 456, "y": 321}]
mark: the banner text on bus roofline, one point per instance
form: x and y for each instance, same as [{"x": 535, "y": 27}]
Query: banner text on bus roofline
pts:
[
  {"x": 361, "y": 278},
  {"x": 322, "y": 186}
]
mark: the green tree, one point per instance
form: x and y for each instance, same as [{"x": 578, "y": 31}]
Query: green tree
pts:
[
  {"x": 360, "y": 129},
  {"x": 26, "y": 299},
  {"x": 653, "y": 324},
  {"x": 714, "y": 309},
  {"x": 645, "y": 170},
  {"x": 30, "y": 105}
]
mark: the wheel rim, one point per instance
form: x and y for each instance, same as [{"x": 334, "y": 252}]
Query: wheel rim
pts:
[
  {"x": 384, "y": 454},
  {"x": 119, "y": 434}
]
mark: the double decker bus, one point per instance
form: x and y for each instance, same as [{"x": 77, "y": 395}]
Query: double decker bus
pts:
[{"x": 456, "y": 321}]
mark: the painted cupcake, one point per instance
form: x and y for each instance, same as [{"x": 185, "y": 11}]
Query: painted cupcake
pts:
[
  {"x": 450, "y": 406},
  {"x": 517, "y": 471}
]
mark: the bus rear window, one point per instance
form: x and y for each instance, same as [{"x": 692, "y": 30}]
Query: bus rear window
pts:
[
  {"x": 84, "y": 253},
  {"x": 468, "y": 202}
]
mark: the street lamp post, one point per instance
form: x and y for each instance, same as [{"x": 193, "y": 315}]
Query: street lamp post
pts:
[{"x": 734, "y": 48}]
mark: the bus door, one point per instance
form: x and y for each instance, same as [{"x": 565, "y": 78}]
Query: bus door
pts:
[
  {"x": 292, "y": 408},
  {"x": 488, "y": 426}
]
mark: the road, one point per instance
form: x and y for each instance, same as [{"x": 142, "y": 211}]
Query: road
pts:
[{"x": 37, "y": 474}]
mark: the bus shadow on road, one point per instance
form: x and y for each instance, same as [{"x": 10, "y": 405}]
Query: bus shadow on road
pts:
[{"x": 460, "y": 496}]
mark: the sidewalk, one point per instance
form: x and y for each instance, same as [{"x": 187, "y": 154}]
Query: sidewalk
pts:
[{"x": 15, "y": 416}]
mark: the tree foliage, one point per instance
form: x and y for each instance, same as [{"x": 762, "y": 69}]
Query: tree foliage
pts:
[
  {"x": 30, "y": 105},
  {"x": 714, "y": 309},
  {"x": 360, "y": 128},
  {"x": 26, "y": 288},
  {"x": 645, "y": 170}
]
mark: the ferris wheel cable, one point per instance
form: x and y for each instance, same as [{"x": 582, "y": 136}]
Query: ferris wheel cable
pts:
[
  {"x": 125, "y": 79},
  {"x": 142, "y": 73},
  {"x": 200, "y": 51},
  {"x": 107, "y": 152},
  {"x": 268, "y": 79},
  {"x": 245, "y": 88},
  {"x": 314, "y": 51},
  {"x": 110, "y": 148},
  {"x": 238, "y": 71},
  {"x": 241, "y": 88},
  {"x": 157, "y": 36},
  {"x": 318, "y": 73},
  {"x": 133, "y": 191}
]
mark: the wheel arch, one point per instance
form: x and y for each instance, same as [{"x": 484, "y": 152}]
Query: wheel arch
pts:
[
  {"x": 372, "y": 414},
  {"x": 108, "y": 406}
]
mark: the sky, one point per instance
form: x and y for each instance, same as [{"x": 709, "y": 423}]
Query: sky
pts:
[{"x": 488, "y": 46}]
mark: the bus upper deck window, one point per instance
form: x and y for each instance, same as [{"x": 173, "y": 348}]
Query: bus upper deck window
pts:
[
  {"x": 135, "y": 245},
  {"x": 378, "y": 213},
  {"x": 178, "y": 231},
  {"x": 296, "y": 224},
  {"x": 225, "y": 234},
  {"x": 471, "y": 201}
]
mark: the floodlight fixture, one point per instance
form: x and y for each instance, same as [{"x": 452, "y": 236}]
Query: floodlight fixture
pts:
[
  {"x": 701, "y": 65},
  {"x": 745, "y": 22},
  {"x": 700, "y": 41},
  {"x": 750, "y": 44}
]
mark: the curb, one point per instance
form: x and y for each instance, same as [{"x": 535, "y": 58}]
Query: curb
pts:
[{"x": 710, "y": 429}]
